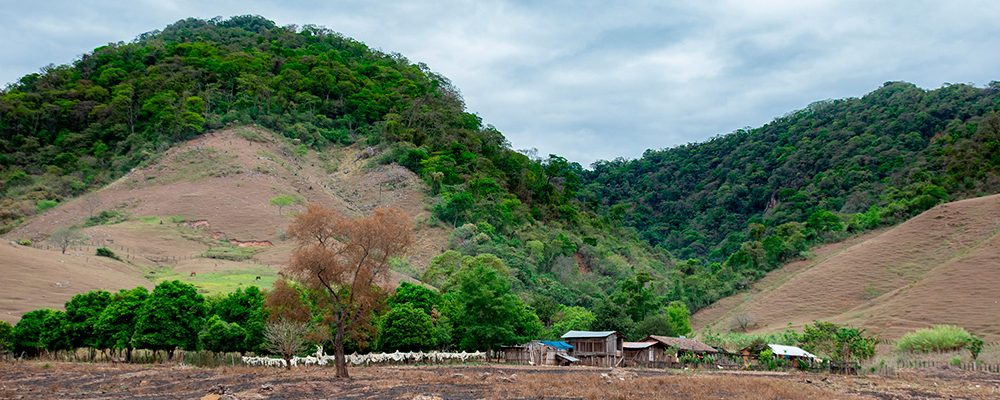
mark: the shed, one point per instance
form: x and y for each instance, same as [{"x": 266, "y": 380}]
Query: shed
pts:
[
  {"x": 792, "y": 353},
  {"x": 599, "y": 348},
  {"x": 640, "y": 353},
  {"x": 538, "y": 352}
]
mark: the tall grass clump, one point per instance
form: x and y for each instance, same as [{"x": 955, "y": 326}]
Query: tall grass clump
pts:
[{"x": 935, "y": 339}]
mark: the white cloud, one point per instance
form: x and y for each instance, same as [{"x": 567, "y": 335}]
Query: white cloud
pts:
[{"x": 588, "y": 80}]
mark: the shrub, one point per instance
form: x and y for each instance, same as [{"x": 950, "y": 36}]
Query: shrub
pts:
[
  {"x": 45, "y": 205},
  {"x": 955, "y": 361},
  {"x": 106, "y": 252},
  {"x": 231, "y": 253},
  {"x": 935, "y": 338},
  {"x": 106, "y": 217},
  {"x": 24, "y": 242}
]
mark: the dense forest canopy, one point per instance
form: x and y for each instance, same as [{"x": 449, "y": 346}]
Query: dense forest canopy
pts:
[{"x": 570, "y": 240}]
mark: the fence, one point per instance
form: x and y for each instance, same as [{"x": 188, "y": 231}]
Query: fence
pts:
[
  {"x": 144, "y": 356},
  {"x": 887, "y": 369},
  {"x": 127, "y": 253}
]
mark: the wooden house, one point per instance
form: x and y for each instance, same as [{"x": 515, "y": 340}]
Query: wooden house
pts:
[
  {"x": 601, "y": 348},
  {"x": 670, "y": 349}
]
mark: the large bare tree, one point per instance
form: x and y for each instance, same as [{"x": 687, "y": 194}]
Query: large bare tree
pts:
[{"x": 347, "y": 258}]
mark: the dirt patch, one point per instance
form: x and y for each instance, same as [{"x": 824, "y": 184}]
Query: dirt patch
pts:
[{"x": 106, "y": 381}]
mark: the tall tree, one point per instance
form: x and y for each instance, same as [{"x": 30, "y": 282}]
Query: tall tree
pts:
[
  {"x": 117, "y": 321},
  {"x": 83, "y": 312},
  {"x": 170, "y": 318},
  {"x": 347, "y": 258}
]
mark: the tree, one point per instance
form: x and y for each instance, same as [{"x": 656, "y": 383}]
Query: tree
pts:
[
  {"x": 219, "y": 335},
  {"x": 66, "y": 237},
  {"x": 975, "y": 346},
  {"x": 407, "y": 328},
  {"x": 244, "y": 307},
  {"x": 567, "y": 319},
  {"x": 28, "y": 332},
  {"x": 743, "y": 322},
  {"x": 171, "y": 317},
  {"x": 53, "y": 335},
  {"x": 83, "y": 312},
  {"x": 417, "y": 296},
  {"x": 844, "y": 345},
  {"x": 286, "y": 338},
  {"x": 486, "y": 313},
  {"x": 282, "y": 201},
  {"x": 346, "y": 258},
  {"x": 680, "y": 318},
  {"x": 6, "y": 337},
  {"x": 117, "y": 321}
]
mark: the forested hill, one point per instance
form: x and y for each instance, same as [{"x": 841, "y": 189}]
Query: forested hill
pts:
[
  {"x": 852, "y": 164},
  {"x": 77, "y": 127}
]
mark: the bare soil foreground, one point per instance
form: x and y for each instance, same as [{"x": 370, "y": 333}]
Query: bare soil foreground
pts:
[{"x": 36, "y": 380}]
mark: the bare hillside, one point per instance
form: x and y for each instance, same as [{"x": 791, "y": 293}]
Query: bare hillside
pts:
[
  {"x": 941, "y": 267},
  {"x": 214, "y": 192}
]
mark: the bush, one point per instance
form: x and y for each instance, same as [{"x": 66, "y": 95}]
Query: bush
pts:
[
  {"x": 106, "y": 217},
  {"x": 231, "y": 253},
  {"x": 106, "y": 252},
  {"x": 24, "y": 242},
  {"x": 45, "y": 205},
  {"x": 936, "y": 338}
]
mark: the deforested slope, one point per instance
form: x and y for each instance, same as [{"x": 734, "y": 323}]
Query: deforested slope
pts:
[{"x": 941, "y": 267}]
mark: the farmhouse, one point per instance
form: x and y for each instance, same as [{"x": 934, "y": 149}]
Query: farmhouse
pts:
[
  {"x": 602, "y": 348},
  {"x": 669, "y": 349}
]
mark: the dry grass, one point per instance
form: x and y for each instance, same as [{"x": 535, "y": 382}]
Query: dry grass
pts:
[
  {"x": 106, "y": 381},
  {"x": 593, "y": 386},
  {"x": 937, "y": 268},
  {"x": 186, "y": 181}
]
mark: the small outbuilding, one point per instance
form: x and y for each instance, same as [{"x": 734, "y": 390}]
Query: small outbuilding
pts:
[
  {"x": 538, "y": 352},
  {"x": 792, "y": 353},
  {"x": 597, "y": 348},
  {"x": 670, "y": 349}
]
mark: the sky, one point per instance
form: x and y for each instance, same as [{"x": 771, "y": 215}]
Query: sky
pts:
[{"x": 591, "y": 80}]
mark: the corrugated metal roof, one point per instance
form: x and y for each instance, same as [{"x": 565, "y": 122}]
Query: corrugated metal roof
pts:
[
  {"x": 558, "y": 344},
  {"x": 567, "y": 357},
  {"x": 587, "y": 334},
  {"x": 790, "y": 351},
  {"x": 637, "y": 345},
  {"x": 683, "y": 344}
]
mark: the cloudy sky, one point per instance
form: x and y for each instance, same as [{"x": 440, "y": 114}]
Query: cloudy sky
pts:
[{"x": 588, "y": 80}]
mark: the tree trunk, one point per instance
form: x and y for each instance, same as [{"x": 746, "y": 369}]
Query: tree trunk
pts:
[
  {"x": 338, "y": 346},
  {"x": 288, "y": 362}
]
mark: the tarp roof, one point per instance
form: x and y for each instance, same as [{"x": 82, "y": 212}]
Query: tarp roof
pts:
[
  {"x": 637, "y": 345},
  {"x": 560, "y": 345},
  {"x": 685, "y": 344},
  {"x": 587, "y": 334},
  {"x": 790, "y": 351}
]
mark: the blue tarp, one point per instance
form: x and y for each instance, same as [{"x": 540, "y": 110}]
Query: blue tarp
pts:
[{"x": 558, "y": 345}]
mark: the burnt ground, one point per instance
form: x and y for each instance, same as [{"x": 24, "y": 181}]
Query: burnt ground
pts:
[{"x": 38, "y": 380}]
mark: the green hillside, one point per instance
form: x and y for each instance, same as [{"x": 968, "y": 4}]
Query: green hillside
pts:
[
  {"x": 72, "y": 128},
  {"x": 605, "y": 239},
  {"x": 740, "y": 204}
]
